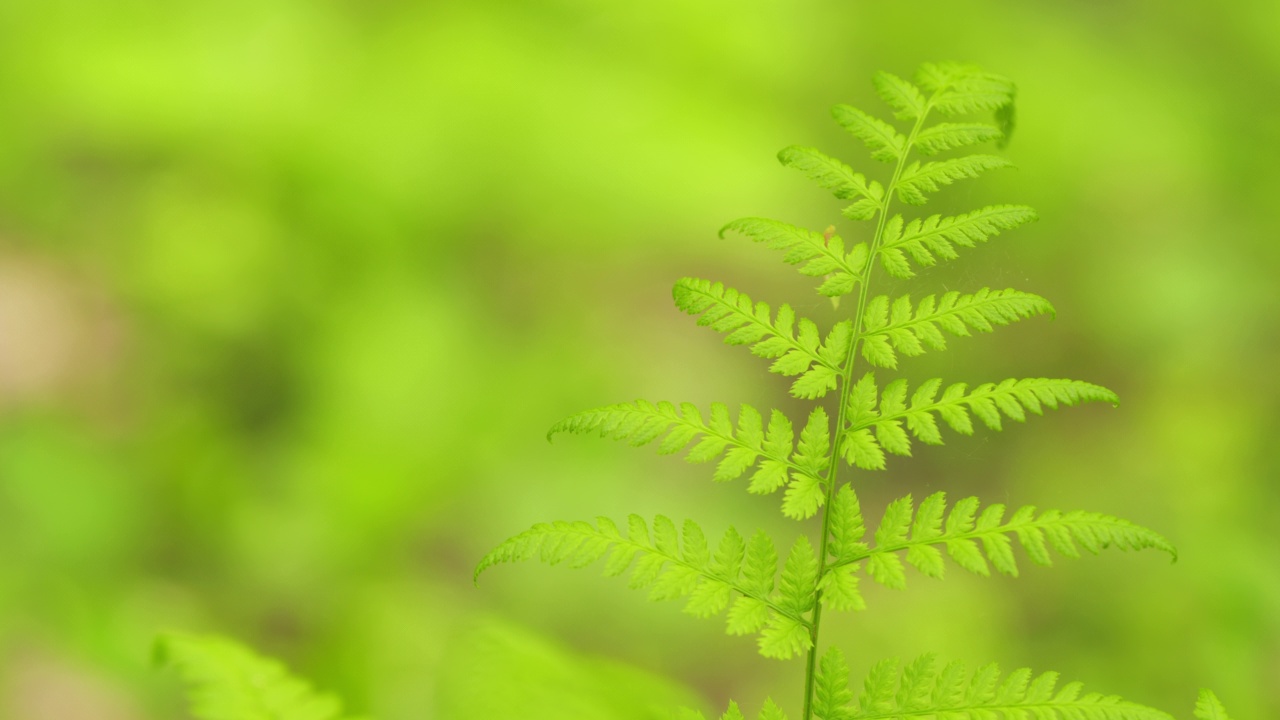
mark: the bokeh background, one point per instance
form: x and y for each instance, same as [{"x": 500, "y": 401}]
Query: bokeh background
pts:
[{"x": 291, "y": 289}]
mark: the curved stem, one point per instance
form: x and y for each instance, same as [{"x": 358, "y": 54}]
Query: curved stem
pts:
[{"x": 846, "y": 377}]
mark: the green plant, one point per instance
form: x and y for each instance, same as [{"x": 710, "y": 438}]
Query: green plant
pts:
[
  {"x": 872, "y": 420},
  {"x": 230, "y": 682}
]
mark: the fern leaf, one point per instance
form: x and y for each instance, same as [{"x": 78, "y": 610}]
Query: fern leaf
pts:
[
  {"x": 807, "y": 491},
  {"x": 839, "y": 589},
  {"x": 750, "y": 613},
  {"x": 831, "y": 173},
  {"x": 839, "y": 586},
  {"x": 772, "y": 337},
  {"x": 230, "y": 682},
  {"x": 833, "y": 694},
  {"x": 885, "y": 143},
  {"x": 761, "y": 565},
  {"x": 643, "y": 422},
  {"x": 1011, "y": 398},
  {"x": 771, "y": 711},
  {"x": 877, "y": 689},
  {"x": 936, "y": 235},
  {"x": 910, "y": 333},
  {"x": 917, "y": 683},
  {"x": 812, "y": 454},
  {"x": 823, "y": 256},
  {"x": 803, "y": 497},
  {"x": 888, "y": 570},
  {"x": 799, "y": 577},
  {"x": 918, "y": 179},
  {"x": 675, "y": 564},
  {"x": 973, "y": 540},
  {"x": 772, "y": 472},
  {"x": 1208, "y": 707},
  {"x": 920, "y": 690},
  {"x": 907, "y": 101},
  {"x": 846, "y": 527},
  {"x": 784, "y": 638},
  {"x": 786, "y": 634},
  {"x": 860, "y": 447},
  {"x": 896, "y": 523},
  {"x": 948, "y": 136},
  {"x": 962, "y": 89}
]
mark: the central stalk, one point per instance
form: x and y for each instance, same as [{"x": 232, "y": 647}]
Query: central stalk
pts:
[{"x": 846, "y": 377}]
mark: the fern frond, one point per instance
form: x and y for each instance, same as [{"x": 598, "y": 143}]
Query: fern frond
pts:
[
  {"x": 948, "y": 136},
  {"x": 799, "y": 577},
  {"x": 906, "y": 99},
  {"x": 838, "y": 586},
  {"x": 824, "y": 256},
  {"x": 970, "y": 538},
  {"x": 830, "y": 173},
  {"x": 934, "y": 235},
  {"x": 673, "y": 569},
  {"x": 833, "y": 696},
  {"x": 846, "y": 528},
  {"x": 726, "y": 310},
  {"x": 885, "y": 143},
  {"x": 918, "y": 179},
  {"x": 1013, "y": 398},
  {"x": 787, "y": 635},
  {"x": 642, "y": 422},
  {"x": 1208, "y": 707},
  {"x": 771, "y": 711},
  {"x": 922, "y": 690},
  {"x": 751, "y": 444},
  {"x": 807, "y": 491},
  {"x": 962, "y": 89},
  {"x": 885, "y": 330},
  {"x": 230, "y": 682}
]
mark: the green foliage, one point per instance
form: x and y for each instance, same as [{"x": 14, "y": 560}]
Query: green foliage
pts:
[
  {"x": 726, "y": 310},
  {"x": 959, "y": 89},
  {"x": 230, "y": 682},
  {"x": 769, "y": 450},
  {"x": 1209, "y": 708},
  {"x": 871, "y": 422},
  {"x": 949, "y": 136},
  {"x": 910, "y": 332},
  {"x": 976, "y": 541},
  {"x": 823, "y": 255},
  {"x": 877, "y": 426},
  {"x": 831, "y": 174},
  {"x": 497, "y": 670},
  {"x": 923, "y": 238},
  {"x": 918, "y": 179},
  {"x": 744, "y": 575},
  {"x": 885, "y": 143},
  {"x": 314, "y": 282},
  {"x": 921, "y": 689}
]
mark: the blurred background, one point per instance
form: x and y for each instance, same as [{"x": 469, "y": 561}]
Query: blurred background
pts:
[{"x": 291, "y": 290}]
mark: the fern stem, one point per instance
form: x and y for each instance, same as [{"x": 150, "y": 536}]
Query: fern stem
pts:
[{"x": 811, "y": 665}]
